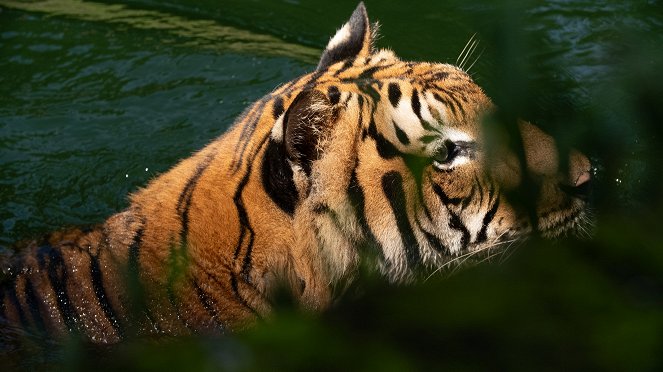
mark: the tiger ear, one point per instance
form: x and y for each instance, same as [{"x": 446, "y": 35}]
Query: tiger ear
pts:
[
  {"x": 354, "y": 39},
  {"x": 306, "y": 121}
]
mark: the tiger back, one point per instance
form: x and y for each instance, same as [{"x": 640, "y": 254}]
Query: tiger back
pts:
[{"x": 368, "y": 159}]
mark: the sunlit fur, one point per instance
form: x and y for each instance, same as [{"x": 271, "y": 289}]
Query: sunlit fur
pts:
[{"x": 335, "y": 168}]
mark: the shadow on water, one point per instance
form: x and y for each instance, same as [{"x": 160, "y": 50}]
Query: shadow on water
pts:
[{"x": 96, "y": 98}]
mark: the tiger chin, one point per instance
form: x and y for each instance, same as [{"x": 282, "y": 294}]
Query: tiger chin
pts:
[{"x": 367, "y": 158}]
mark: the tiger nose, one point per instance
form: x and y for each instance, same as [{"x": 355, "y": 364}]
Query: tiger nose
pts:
[
  {"x": 579, "y": 169},
  {"x": 583, "y": 178}
]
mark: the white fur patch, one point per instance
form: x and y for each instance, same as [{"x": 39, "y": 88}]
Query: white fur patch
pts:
[
  {"x": 277, "y": 129},
  {"x": 341, "y": 36},
  {"x": 403, "y": 116},
  {"x": 473, "y": 223}
]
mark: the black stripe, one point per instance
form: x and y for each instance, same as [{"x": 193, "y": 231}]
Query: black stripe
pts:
[
  {"x": 446, "y": 103},
  {"x": 247, "y": 118},
  {"x": 32, "y": 302},
  {"x": 321, "y": 208},
  {"x": 456, "y": 224},
  {"x": 481, "y": 236},
  {"x": 434, "y": 241},
  {"x": 369, "y": 72},
  {"x": 334, "y": 94},
  {"x": 234, "y": 284},
  {"x": 178, "y": 252},
  {"x": 458, "y": 104},
  {"x": 427, "y": 126},
  {"x": 244, "y": 218},
  {"x": 368, "y": 89},
  {"x": 133, "y": 263},
  {"x": 440, "y": 76},
  {"x": 428, "y": 139},
  {"x": 247, "y": 132},
  {"x": 277, "y": 107},
  {"x": 58, "y": 276},
  {"x": 394, "y": 94},
  {"x": 392, "y": 186},
  {"x": 209, "y": 304},
  {"x": 246, "y": 263},
  {"x": 402, "y": 136},
  {"x": 446, "y": 200},
  {"x": 357, "y": 199},
  {"x": 100, "y": 293},
  {"x": 235, "y": 287},
  {"x": 314, "y": 79},
  {"x": 241, "y": 211},
  {"x": 477, "y": 183},
  {"x": 385, "y": 148},
  {"x": 416, "y": 105},
  {"x": 491, "y": 191},
  {"x": 346, "y": 65},
  {"x": 277, "y": 177},
  {"x": 422, "y": 199},
  {"x": 184, "y": 200},
  {"x": 137, "y": 295},
  {"x": 245, "y": 229},
  {"x": 470, "y": 197},
  {"x": 13, "y": 297}
]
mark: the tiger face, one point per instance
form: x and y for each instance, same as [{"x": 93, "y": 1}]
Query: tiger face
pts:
[{"x": 394, "y": 155}]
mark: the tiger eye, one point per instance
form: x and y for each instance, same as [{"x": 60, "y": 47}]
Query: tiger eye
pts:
[{"x": 441, "y": 154}]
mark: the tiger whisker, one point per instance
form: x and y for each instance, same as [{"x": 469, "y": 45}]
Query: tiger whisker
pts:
[
  {"x": 470, "y": 53},
  {"x": 510, "y": 251},
  {"x": 467, "y": 54},
  {"x": 461, "y": 259},
  {"x": 491, "y": 254},
  {"x": 489, "y": 248},
  {"x": 476, "y": 60},
  {"x": 462, "y": 55}
]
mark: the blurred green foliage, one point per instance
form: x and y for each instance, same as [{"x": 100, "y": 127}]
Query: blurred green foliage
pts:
[{"x": 572, "y": 304}]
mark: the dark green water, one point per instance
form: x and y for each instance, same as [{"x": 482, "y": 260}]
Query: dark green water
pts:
[{"x": 98, "y": 97}]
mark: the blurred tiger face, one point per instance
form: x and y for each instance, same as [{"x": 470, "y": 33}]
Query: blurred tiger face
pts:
[{"x": 435, "y": 186}]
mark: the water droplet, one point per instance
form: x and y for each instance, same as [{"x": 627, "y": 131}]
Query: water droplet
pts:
[
  {"x": 126, "y": 176},
  {"x": 146, "y": 169}
]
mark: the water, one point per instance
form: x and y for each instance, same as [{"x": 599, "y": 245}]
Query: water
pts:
[
  {"x": 96, "y": 98},
  {"x": 92, "y": 108}
]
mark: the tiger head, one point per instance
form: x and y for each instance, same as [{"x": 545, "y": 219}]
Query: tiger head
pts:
[{"x": 394, "y": 155}]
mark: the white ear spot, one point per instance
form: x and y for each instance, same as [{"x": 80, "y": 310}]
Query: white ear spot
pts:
[
  {"x": 277, "y": 129},
  {"x": 341, "y": 36}
]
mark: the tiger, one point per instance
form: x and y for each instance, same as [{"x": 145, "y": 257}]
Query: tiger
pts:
[{"x": 368, "y": 160}]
